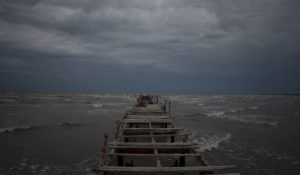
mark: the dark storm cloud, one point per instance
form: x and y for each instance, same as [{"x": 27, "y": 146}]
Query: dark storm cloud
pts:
[{"x": 185, "y": 46}]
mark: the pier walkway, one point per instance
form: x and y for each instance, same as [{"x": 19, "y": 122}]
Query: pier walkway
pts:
[{"x": 147, "y": 141}]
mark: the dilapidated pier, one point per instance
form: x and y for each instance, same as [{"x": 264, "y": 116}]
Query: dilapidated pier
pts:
[{"x": 147, "y": 141}]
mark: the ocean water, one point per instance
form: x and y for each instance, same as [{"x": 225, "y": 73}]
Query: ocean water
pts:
[{"x": 60, "y": 133}]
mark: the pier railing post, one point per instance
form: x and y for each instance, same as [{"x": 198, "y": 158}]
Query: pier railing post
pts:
[
  {"x": 103, "y": 151},
  {"x": 165, "y": 108},
  {"x": 120, "y": 160},
  {"x": 169, "y": 109}
]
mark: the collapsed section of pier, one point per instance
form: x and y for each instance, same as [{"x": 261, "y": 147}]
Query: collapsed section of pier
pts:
[{"x": 147, "y": 141}]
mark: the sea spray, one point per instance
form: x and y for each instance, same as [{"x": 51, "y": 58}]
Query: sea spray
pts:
[{"x": 206, "y": 142}]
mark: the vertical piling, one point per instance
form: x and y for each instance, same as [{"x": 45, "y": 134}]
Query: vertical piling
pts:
[
  {"x": 120, "y": 160},
  {"x": 169, "y": 108},
  {"x": 181, "y": 161},
  {"x": 165, "y": 108},
  {"x": 172, "y": 139}
]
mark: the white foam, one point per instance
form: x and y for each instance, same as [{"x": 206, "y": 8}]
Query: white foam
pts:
[
  {"x": 7, "y": 100},
  {"x": 199, "y": 104},
  {"x": 45, "y": 169},
  {"x": 11, "y": 129},
  {"x": 215, "y": 113},
  {"x": 235, "y": 110},
  {"x": 34, "y": 167},
  {"x": 211, "y": 142},
  {"x": 206, "y": 142},
  {"x": 97, "y": 105}
]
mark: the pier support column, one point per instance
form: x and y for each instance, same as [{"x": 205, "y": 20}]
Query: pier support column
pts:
[
  {"x": 172, "y": 139},
  {"x": 120, "y": 160},
  {"x": 126, "y": 139},
  {"x": 165, "y": 107},
  {"x": 181, "y": 161},
  {"x": 169, "y": 109}
]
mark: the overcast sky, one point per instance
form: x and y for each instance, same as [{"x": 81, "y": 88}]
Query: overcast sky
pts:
[{"x": 158, "y": 46}]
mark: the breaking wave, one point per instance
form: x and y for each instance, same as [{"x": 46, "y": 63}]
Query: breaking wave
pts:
[
  {"x": 73, "y": 124},
  {"x": 235, "y": 110},
  {"x": 215, "y": 113},
  {"x": 97, "y": 105},
  {"x": 17, "y": 128},
  {"x": 206, "y": 142}
]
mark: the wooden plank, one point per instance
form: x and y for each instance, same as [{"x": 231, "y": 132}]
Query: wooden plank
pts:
[
  {"x": 163, "y": 169},
  {"x": 147, "y": 117},
  {"x": 149, "y": 107},
  {"x": 146, "y": 132},
  {"x": 227, "y": 174},
  {"x": 155, "y": 135},
  {"x": 153, "y": 155},
  {"x": 155, "y": 146},
  {"x": 152, "y": 144},
  {"x": 155, "y": 121},
  {"x": 152, "y": 129}
]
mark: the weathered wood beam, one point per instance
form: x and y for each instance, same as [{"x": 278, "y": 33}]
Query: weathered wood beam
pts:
[
  {"x": 163, "y": 169},
  {"x": 152, "y": 144},
  {"x": 155, "y": 146},
  {"x": 152, "y": 129},
  {"x": 153, "y": 155},
  {"x": 155, "y": 135},
  {"x": 153, "y": 121},
  {"x": 147, "y": 117}
]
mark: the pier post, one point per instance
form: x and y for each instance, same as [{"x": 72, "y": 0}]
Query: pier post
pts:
[
  {"x": 181, "y": 161},
  {"x": 169, "y": 108},
  {"x": 120, "y": 160},
  {"x": 165, "y": 108},
  {"x": 172, "y": 139}
]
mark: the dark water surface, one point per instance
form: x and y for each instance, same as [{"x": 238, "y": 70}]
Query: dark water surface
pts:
[{"x": 60, "y": 133}]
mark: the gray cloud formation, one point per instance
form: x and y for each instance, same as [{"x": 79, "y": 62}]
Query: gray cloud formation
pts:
[{"x": 192, "y": 46}]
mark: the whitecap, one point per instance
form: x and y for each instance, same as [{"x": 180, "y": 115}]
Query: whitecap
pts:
[
  {"x": 199, "y": 104},
  {"x": 235, "y": 110},
  {"x": 34, "y": 167},
  {"x": 206, "y": 142},
  {"x": 69, "y": 124},
  {"x": 7, "y": 100},
  {"x": 215, "y": 113},
  {"x": 211, "y": 142},
  {"x": 98, "y": 105},
  {"x": 16, "y": 128}
]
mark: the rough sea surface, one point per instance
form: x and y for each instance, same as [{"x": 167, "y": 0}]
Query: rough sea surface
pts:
[{"x": 60, "y": 133}]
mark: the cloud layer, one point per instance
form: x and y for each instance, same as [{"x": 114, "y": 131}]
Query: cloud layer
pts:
[{"x": 191, "y": 46}]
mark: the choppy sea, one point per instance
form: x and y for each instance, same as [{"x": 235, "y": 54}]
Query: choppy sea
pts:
[{"x": 60, "y": 133}]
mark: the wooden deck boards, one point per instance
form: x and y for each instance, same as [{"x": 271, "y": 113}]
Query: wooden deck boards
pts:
[
  {"x": 153, "y": 122},
  {"x": 164, "y": 169}
]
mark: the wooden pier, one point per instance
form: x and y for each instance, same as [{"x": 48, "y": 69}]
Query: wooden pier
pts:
[{"x": 147, "y": 141}]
